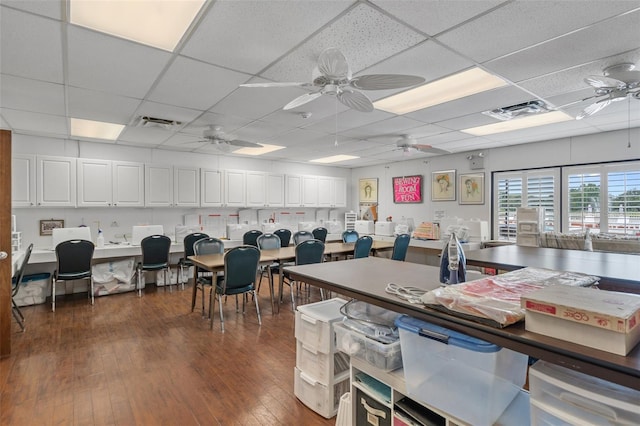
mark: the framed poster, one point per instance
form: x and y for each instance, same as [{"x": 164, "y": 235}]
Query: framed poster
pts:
[
  {"x": 443, "y": 185},
  {"x": 48, "y": 225},
  {"x": 407, "y": 189},
  {"x": 368, "y": 190},
  {"x": 471, "y": 188}
]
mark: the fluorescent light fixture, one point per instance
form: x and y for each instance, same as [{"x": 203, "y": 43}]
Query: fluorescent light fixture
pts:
[
  {"x": 258, "y": 151},
  {"x": 334, "y": 159},
  {"x": 95, "y": 129},
  {"x": 155, "y": 23},
  {"x": 470, "y": 82},
  {"x": 519, "y": 123}
]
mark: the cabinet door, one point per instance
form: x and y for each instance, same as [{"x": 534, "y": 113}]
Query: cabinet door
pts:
[
  {"x": 256, "y": 189},
  {"x": 211, "y": 188},
  {"x": 56, "y": 177},
  {"x": 310, "y": 191},
  {"x": 158, "y": 185},
  {"x": 94, "y": 183},
  {"x": 235, "y": 188},
  {"x": 293, "y": 191},
  {"x": 186, "y": 187},
  {"x": 326, "y": 190},
  {"x": 128, "y": 184},
  {"x": 340, "y": 192},
  {"x": 275, "y": 190},
  {"x": 23, "y": 180}
]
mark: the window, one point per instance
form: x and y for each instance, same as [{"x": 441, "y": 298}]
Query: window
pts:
[
  {"x": 623, "y": 202},
  {"x": 583, "y": 192}
]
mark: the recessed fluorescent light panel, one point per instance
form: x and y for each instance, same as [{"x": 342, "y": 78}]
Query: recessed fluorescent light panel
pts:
[
  {"x": 95, "y": 129},
  {"x": 440, "y": 91},
  {"x": 334, "y": 159},
  {"x": 155, "y": 23},
  {"x": 258, "y": 151},
  {"x": 519, "y": 123}
]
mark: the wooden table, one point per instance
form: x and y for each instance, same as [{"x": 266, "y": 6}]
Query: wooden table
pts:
[
  {"x": 366, "y": 279},
  {"x": 618, "y": 271}
]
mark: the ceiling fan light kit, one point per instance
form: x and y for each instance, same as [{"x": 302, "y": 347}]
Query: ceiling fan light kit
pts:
[{"x": 617, "y": 83}]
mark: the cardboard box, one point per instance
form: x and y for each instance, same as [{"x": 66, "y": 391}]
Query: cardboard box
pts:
[{"x": 605, "y": 320}]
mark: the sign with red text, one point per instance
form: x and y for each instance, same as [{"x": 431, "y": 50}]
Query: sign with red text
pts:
[{"x": 407, "y": 189}]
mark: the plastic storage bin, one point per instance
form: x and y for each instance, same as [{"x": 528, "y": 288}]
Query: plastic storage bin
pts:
[
  {"x": 34, "y": 289},
  {"x": 561, "y": 396},
  {"x": 313, "y": 324},
  {"x": 321, "y": 398},
  {"x": 321, "y": 366},
  {"x": 386, "y": 356},
  {"x": 465, "y": 377}
]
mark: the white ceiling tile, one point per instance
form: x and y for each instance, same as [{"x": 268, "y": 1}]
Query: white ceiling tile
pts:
[
  {"x": 228, "y": 122},
  {"x": 393, "y": 125},
  {"x": 256, "y": 102},
  {"x": 48, "y": 8},
  {"x": 296, "y": 137},
  {"x": 168, "y": 112},
  {"x": 349, "y": 119},
  {"x": 232, "y": 34},
  {"x": 32, "y": 95},
  {"x": 101, "y": 62},
  {"x": 30, "y": 54},
  {"x": 36, "y": 122},
  {"x": 101, "y": 106},
  {"x": 257, "y": 131},
  {"x": 144, "y": 136}
]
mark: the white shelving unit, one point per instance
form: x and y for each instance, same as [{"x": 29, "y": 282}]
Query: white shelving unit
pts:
[
  {"x": 350, "y": 221},
  {"x": 16, "y": 241}
]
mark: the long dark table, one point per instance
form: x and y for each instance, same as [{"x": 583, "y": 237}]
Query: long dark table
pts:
[
  {"x": 366, "y": 279},
  {"x": 618, "y": 271}
]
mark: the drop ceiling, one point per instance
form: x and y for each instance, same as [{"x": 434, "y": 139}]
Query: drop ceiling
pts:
[{"x": 52, "y": 70}]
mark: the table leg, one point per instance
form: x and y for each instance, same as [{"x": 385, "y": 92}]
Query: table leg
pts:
[{"x": 270, "y": 274}]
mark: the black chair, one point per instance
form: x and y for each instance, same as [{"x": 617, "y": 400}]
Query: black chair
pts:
[
  {"x": 400, "y": 247},
  {"x": 350, "y": 236},
  {"x": 307, "y": 252},
  {"x": 285, "y": 236},
  {"x": 207, "y": 245},
  {"x": 301, "y": 236},
  {"x": 16, "y": 280},
  {"x": 155, "y": 257},
  {"x": 240, "y": 272},
  {"x": 73, "y": 263},
  {"x": 250, "y": 238},
  {"x": 362, "y": 247},
  {"x": 320, "y": 233},
  {"x": 268, "y": 242},
  {"x": 184, "y": 262}
]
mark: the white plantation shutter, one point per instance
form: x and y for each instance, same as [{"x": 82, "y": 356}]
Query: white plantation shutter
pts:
[
  {"x": 508, "y": 200},
  {"x": 583, "y": 206},
  {"x": 623, "y": 212},
  {"x": 541, "y": 192}
]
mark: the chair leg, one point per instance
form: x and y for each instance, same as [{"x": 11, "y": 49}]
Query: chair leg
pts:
[
  {"x": 139, "y": 282},
  {"x": 182, "y": 280},
  {"x": 17, "y": 314},
  {"x": 53, "y": 294},
  {"x": 257, "y": 309},
  {"x": 194, "y": 295},
  {"x": 91, "y": 289},
  {"x": 293, "y": 299},
  {"x": 221, "y": 314},
  {"x": 167, "y": 283}
]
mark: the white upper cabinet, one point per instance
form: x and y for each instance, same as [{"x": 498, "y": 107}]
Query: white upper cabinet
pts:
[
  {"x": 293, "y": 191},
  {"x": 158, "y": 185},
  {"x": 235, "y": 188},
  {"x": 56, "y": 181},
  {"x": 94, "y": 184},
  {"x": 211, "y": 188},
  {"x": 275, "y": 190},
  {"x": 23, "y": 180},
  {"x": 186, "y": 186},
  {"x": 309, "y": 191},
  {"x": 332, "y": 192},
  {"x": 128, "y": 184},
  {"x": 256, "y": 189}
]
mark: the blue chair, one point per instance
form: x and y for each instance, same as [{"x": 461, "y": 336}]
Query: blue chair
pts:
[
  {"x": 362, "y": 247},
  {"x": 301, "y": 236},
  {"x": 73, "y": 263},
  {"x": 284, "y": 235},
  {"x": 250, "y": 238},
  {"x": 350, "y": 236},
  {"x": 320, "y": 233},
  {"x": 307, "y": 252},
  {"x": 207, "y": 245},
  {"x": 400, "y": 247},
  {"x": 240, "y": 272},
  {"x": 184, "y": 262},
  {"x": 155, "y": 257},
  {"x": 269, "y": 242},
  {"x": 16, "y": 280}
]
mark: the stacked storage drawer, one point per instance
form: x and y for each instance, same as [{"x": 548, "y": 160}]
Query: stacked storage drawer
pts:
[
  {"x": 321, "y": 372},
  {"x": 530, "y": 223}
]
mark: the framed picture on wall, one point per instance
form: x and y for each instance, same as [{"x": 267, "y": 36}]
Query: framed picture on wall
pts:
[
  {"x": 368, "y": 190},
  {"x": 407, "y": 189},
  {"x": 443, "y": 185},
  {"x": 48, "y": 225},
  {"x": 471, "y": 188}
]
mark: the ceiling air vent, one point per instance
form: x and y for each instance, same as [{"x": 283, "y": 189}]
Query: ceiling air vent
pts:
[
  {"x": 519, "y": 110},
  {"x": 163, "y": 123}
]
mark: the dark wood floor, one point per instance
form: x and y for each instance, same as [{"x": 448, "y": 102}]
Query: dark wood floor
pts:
[{"x": 150, "y": 360}]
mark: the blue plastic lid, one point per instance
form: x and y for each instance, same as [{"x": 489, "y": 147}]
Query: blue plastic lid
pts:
[
  {"x": 36, "y": 277},
  {"x": 444, "y": 335}
]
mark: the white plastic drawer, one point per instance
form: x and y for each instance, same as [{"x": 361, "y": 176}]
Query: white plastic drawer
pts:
[
  {"x": 321, "y": 366},
  {"x": 314, "y": 324}
]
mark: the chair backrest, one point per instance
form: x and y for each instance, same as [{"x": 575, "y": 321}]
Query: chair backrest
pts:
[
  {"x": 208, "y": 245},
  {"x": 320, "y": 233},
  {"x": 285, "y": 236},
  {"x": 269, "y": 242},
  {"x": 350, "y": 236},
  {"x": 251, "y": 237},
  {"x": 309, "y": 251},
  {"x": 155, "y": 249},
  {"x": 17, "y": 277},
  {"x": 400, "y": 247},
  {"x": 362, "y": 247},
  {"x": 74, "y": 256},
  {"x": 190, "y": 240},
  {"x": 301, "y": 236},
  {"x": 240, "y": 268}
]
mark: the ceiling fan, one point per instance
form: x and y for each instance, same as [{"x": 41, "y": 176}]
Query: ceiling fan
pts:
[
  {"x": 617, "y": 83},
  {"x": 332, "y": 76},
  {"x": 409, "y": 145},
  {"x": 215, "y": 135}
]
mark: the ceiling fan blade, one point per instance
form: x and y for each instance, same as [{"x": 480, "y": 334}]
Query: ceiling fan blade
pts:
[
  {"x": 355, "y": 100},
  {"x": 430, "y": 149},
  {"x": 301, "y": 100},
  {"x": 593, "y": 108},
  {"x": 603, "y": 82},
  {"x": 245, "y": 144},
  {"x": 385, "y": 81},
  {"x": 275, "y": 85},
  {"x": 333, "y": 64}
]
